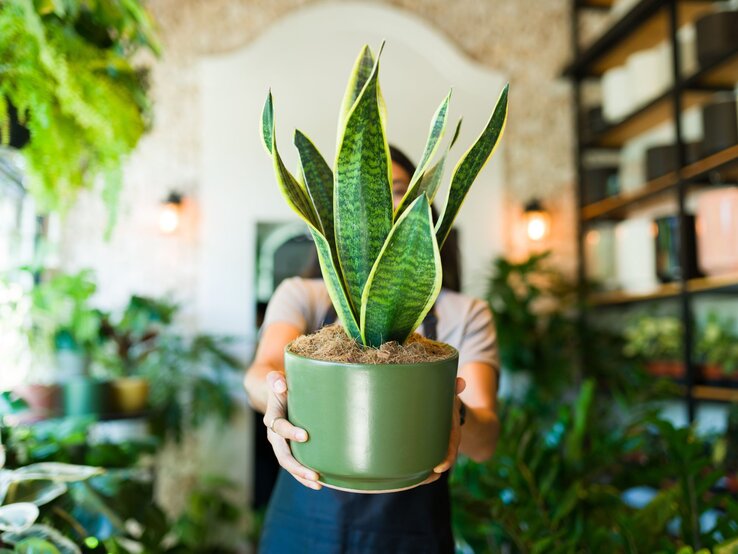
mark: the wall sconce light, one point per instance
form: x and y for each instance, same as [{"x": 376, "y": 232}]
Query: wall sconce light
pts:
[
  {"x": 537, "y": 220},
  {"x": 170, "y": 214}
]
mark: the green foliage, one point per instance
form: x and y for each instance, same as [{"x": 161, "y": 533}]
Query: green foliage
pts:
[
  {"x": 558, "y": 484},
  {"x": 717, "y": 342},
  {"x": 654, "y": 338},
  {"x": 62, "y": 315},
  {"x": 67, "y": 69},
  {"x": 349, "y": 211}
]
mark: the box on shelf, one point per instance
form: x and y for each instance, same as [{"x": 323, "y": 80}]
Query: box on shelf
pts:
[
  {"x": 717, "y": 34},
  {"x": 635, "y": 255},
  {"x": 668, "y": 246},
  {"x": 599, "y": 244},
  {"x": 600, "y": 183},
  {"x": 663, "y": 159},
  {"x": 717, "y": 230},
  {"x": 719, "y": 124}
]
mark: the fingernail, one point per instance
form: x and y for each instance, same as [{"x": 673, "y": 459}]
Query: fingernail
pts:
[
  {"x": 301, "y": 435},
  {"x": 279, "y": 386},
  {"x": 311, "y": 475}
]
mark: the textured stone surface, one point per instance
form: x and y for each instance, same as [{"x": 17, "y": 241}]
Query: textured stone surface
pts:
[{"x": 526, "y": 39}]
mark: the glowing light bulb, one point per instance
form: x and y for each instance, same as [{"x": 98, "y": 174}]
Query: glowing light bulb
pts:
[
  {"x": 169, "y": 216},
  {"x": 537, "y": 221}
]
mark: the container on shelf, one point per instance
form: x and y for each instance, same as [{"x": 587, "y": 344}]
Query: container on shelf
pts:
[
  {"x": 716, "y": 36},
  {"x": 717, "y": 230},
  {"x": 647, "y": 75},
  {"x": 687, "y": 37},
  {"x": 632, "y": 171},
  {"x": 663, "y": 159},
  {"x": 719, "y": 124},
  {"x": 128, "y": 395},
  {"x": 668, "y": 249},
  {"x": 593, "y": 123},
  {"x": 43, "y": 400},
  {"x": 600, "y": 183},
  {"x": 84, "y": 396},
  {"x": 635, "y": 255},
  {"x": 714, "y": 374},
  {"x": 673, "y": 369},
  {"x": 599, "y": 244},
  {"x": 617, "y": 100}
]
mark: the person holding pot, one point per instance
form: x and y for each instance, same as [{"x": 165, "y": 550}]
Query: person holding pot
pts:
[{"x": 302, "y": 515}]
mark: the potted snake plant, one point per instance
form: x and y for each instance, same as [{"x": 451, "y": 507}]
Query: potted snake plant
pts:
[{"x": 375, "y": 426}]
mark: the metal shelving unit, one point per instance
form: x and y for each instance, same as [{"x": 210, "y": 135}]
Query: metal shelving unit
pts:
[{"x": 647, "y": 23}]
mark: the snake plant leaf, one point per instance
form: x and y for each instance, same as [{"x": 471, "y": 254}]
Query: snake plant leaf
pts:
[
  {"x": 359, "y": 76},
  {"x": 318, "y": 178},
  {"x": 435, "y": 134},
  {"x": 362, "y": 195},
  {"x": 55, "y": 471},
  {"x": 471, "y": 164},
  {"x": 267, "y": 123},
  {"x": 292, "y": 190},
  {"x": 405, "y": 280},
  {"x": 334, "y": 284},
  {"x": 430, "y": 180}
]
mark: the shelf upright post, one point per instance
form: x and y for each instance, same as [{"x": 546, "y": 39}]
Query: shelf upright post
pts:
[
  {"x": 579, "y": 167},
  {"x": 684, "y": 297}
]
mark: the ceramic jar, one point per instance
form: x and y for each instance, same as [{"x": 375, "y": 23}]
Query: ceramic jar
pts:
[
  {"x": 635, "y": 255},
  {"x": 717, "y": 231}
]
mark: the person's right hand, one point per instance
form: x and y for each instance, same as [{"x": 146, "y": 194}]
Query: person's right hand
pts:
[{"x": 279, "y": 431}]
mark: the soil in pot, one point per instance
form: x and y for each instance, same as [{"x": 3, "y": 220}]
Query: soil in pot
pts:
[{"x": 378, "y": 419}]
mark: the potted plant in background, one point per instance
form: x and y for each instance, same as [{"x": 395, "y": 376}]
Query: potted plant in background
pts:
[
  {"x": 65, "y": 331},
  {"x": 658, "y": 342},
  {"x": 717, "y": 348},
  {"x": 126, "y": 342},
  {"x": 378, "y": 413}
]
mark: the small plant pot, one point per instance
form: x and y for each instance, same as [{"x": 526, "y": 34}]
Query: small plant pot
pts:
[
  {"x": 42, "y": 400},
  {"x": 715, "y": 372},
  {"x": 129, "y": 395},
  {"x": 83, "y": 396},
  {"x": 371, "y": 428},
  {"x": 666, "y": 368}
]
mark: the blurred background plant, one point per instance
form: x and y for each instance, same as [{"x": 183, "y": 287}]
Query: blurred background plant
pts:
[
  {"x": 584, "y": 462},
  {"x": 71, "y": 96}
]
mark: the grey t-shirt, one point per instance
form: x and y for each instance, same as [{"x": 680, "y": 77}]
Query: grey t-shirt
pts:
[{"x": 463, "y": 322}]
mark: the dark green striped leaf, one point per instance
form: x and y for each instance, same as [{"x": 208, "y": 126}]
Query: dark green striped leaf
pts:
[
  {"x": 471, "y": 164},
  {"x": 405, "y": 280},
  {"x": 292, "y": 190},
  {"x": 359, "y": 75},
  {"x": 363, "y": 190},
  {"x": 435, "y": 134},
  {"x": 430, "y": 181},
  {"x": 318, "y": 179},
  {"x": 334, "y": 284}
]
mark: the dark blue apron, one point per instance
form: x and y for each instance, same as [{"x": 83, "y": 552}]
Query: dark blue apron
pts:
[{"x": 302, "y": 520}]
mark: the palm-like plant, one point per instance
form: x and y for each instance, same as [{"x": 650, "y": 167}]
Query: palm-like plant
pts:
[{"x": 381, "y": 266}]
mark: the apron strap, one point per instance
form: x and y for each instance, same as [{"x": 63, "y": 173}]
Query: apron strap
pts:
[{"x": 430, "y": 323}]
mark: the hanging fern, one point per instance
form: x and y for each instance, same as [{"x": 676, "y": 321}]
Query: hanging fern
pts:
[{"x": 65, "y": 66}]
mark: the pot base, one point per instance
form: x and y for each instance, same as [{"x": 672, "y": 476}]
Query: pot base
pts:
[{"x": 372, "y": 486}]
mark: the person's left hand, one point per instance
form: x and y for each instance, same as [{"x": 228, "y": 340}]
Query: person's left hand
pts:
[{"x": 454, "y": 438}]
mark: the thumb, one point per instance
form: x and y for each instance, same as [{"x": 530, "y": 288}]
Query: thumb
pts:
[
  {"x": 460, "y": 385},
  {"x": 276, "y": 382}
]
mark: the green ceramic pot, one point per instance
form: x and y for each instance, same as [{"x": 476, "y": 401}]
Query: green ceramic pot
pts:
[
  {"x": 371, "y": 428},
  {"x": 83, "y": 396}
]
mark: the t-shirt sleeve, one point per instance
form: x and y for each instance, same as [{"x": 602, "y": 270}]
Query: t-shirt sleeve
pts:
[
  {"x": 479, "y": 343},
  {"x": 289, "y": 304}
]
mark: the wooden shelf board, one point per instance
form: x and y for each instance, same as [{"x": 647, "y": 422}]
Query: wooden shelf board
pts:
[
  {"x": 668, "y": 290},
  {"x": 617, "y": 205},
  {"x": 702, "y": 168},
  {"x": 645, "y": 25},
  {"x": 600, "y": 4},
  {"x": 720, "y": 394},
  {"x": 658, "y": 111}
]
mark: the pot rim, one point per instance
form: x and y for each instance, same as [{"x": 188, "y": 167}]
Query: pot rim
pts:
[{"x": 453, "y": 358}]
